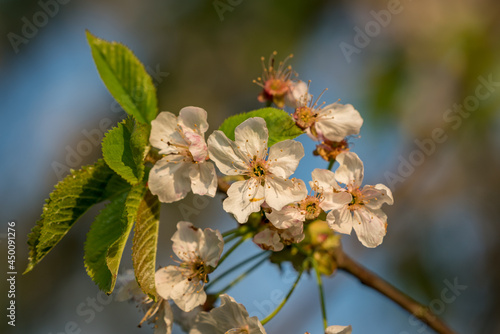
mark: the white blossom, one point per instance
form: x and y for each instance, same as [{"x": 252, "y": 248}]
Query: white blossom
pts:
[
  {"x": 353, "y": 207},
  {"x": 185, "y": 319},
  {"x": 292, "y": 235},
  {"x": 267, "y": 179},
  {"x": 333, "y": 122},
  {"x": 229, "y": 318},
  {"x": 289, "y": 216},
  {"x": 297, "y": 92},
  {"x": 277, "y": 84},
  {"x": 295, "y": 214},
  {"x": 269, "y": 239},
  {"x": 339, "y": 330},
  {"x": 199, "y": 250},
  {"x": 287, "y": 224},
  {"x": 184, "y": 166},
  {"x": 158, "y": 313},
  {"x": 128, "y": 289}
]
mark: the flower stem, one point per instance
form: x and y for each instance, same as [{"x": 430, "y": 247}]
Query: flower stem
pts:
[
  {"x": 321, "y": 292},
  {"x": 242, "y": 263},
  {"x": 231, "y": 238},
  {"x": 330, "y": 164},
  {"x": 228, "y": 233},
  {"x": 230, "y": 250},
  {"x": 280, "y": 306},
  {"x": 242, "y": 276},
  {"x": 377, "y": 283}
]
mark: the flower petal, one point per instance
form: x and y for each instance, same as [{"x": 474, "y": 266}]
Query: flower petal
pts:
[
  {"x": 164, "y": 319},
  {"x": 228, "y": 158},
  {"x": 227, "y": 318},
  {"x": 185, "y": 319},
  {"x": 294, "y": 234},
  {"x": 351, "y": 170},
  {"x": 203, "y": 178},
  {"x": 229, "y": 306},
  {"x": 284, "y": 157},
  {"x": 323, "y": 180},
  {"x": 197, "y": 146},
  {"x": 335, "y": 200},
  {"x": 169, "y": 178},
  {"x": 370, "y": 226},
  {"x": 205, "y": 323},
  {"x": 288, "y": 216},
  {"x": 193, "y": 119},
  {"x": 340, "y": 220},
  {"x": 186, "y": 241},
  {"x": 337, "y": 121},
  {"x": 251, "y": 137},
  {"x": 210, "y": 247},
  {"x": 188, "y": 294},
  {"x": 297, "y": 95},
  {"x": 164, "y": 129},
  {"x": 375, "y": 196},
  {"x": 129, "y": 289},
  {"x": 269, "y": 240},
  {"x": 339, "y": 330},
  {"x": 280, "y": 192},
  {"x": 244, "y": 197},
  {"x": 166, "y": 279}
]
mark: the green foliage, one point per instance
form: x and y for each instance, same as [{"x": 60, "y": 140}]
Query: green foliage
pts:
[
  {"x": 71, "y": 198},
  {"x": 289, "y": 254},
  {"x": 279, "y": 123},
  {"x": 106, "y": 230},
  {"x": 116, "y": 185},
  {"x": 125, "y": 77},
  {"x": 145, "y": 243},
  {"x": 123, "y": 149},
  {"x": 108, "y": 235}
]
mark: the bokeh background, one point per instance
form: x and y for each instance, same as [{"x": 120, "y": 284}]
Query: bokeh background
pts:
[{"x": 403, "y": 78}]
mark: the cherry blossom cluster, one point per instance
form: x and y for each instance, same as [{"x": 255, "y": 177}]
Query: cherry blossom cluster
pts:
[
  {"x": 199, "y": 251},
  {"x": 188, "y": 165},
  {"x": 264, "y": 184}
]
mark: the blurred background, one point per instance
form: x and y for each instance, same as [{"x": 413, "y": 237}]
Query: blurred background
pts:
[{"x": 424, "y": 75}]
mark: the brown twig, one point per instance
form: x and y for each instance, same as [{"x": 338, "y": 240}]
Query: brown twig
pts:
[
  {"x": 224, "y": 182},
  {"x": 375, "y": 282},
  {"x": 222, "y": 185}
]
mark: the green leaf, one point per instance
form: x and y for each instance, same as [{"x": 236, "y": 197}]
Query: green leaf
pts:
[
  {"x": 279, "y": 123},
  {"x": 105, "y": 231},
  {"x": 71, "y": 198},
  {"x": 125, "y": 77},
  {"x": 145, "y": 243},
  {"x": 123, "y": 149},
  {"x": 108, "y": 235},
  {"x": 116, "y": 185}
]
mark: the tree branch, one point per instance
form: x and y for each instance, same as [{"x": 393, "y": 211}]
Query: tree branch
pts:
[{"x": 370, "y": 279}]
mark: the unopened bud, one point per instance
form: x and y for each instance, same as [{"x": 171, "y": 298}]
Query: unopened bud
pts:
[{"x": 329, "y": 150}]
